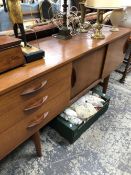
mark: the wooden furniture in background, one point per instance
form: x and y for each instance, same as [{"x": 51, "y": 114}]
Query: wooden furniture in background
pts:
[
  {"x": 33, "y": 95},
  {"x": 11, "y": 55}
]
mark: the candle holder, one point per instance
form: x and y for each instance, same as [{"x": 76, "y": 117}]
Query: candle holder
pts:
[{"x": 64, "y": 32}]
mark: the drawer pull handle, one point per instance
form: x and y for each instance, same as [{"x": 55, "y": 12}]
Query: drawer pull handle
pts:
[
  {"x": 36, "y": 104},
  {"x": 38, "y": 121},
  {"x": 73, "y": 77},
  {"x": 34, "y": 89}
]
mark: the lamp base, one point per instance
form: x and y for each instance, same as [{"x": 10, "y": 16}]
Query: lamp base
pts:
[
  {"x": 32, "y": 53},
  {"x": 82, "y": 30},
  {"x": 98, "y": 26},
  {"x": 98, "y": 35},
  {"x": 114, "y": 29},
  {"x": 85, "y": 27},
  {"x": 64, "y": 33}
]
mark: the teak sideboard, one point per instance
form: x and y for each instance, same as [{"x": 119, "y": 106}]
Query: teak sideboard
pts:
[{"x": 32, "y": 95}]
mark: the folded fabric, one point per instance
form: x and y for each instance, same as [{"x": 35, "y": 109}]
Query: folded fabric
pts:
[
  {"x": 70, "y": 112},
  {"x": 71, "y": 119},
  {"x": 84, "y": 112},
  {"x": 83, "y": 108},
  {"x": 94, "y": 100}
]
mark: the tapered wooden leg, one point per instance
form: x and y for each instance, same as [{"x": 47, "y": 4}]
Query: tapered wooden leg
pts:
[
  {"x": 36, "y": 140},
  {"x": 105, "y": 84}
]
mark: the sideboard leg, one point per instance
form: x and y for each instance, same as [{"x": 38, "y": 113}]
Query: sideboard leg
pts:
[
  {"x": 105, "y": 84},
  {"x": 36, "y": 140}
]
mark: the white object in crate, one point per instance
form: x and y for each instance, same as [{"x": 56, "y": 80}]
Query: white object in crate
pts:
[
  {"x": 70, "y": 112},
  {"x": 92, "y": 99},
  {"x": 84, "y": 111},
  {"x": 71, "y": 119},
  {"x": 83, "y": 108}
]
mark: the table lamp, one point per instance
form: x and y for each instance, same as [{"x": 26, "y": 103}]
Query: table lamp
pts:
[
  {"x": 121, "y": 17},
  {"x": 101, "y": 5}
]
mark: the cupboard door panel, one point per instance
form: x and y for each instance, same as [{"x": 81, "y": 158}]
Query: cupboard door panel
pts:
[
  {"x": 87, "y": 70},
  {"x": 114, "y": 56}
]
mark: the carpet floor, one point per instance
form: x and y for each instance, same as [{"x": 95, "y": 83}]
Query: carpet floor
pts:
[{"x": 104, "y": 149}]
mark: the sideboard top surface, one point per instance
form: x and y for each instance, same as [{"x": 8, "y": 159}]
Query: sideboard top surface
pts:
[{"x": 57, "y": 53}]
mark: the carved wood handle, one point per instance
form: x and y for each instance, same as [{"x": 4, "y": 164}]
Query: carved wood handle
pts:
[
  {"x": 34, "y": 89},
  {"x": 38, "y": 121},
  {"x": 73, "y": 77},
  {"x": 36, "y": 104}
]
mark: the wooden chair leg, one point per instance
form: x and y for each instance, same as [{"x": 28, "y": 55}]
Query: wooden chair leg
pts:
[
  {"x": 105, "y": 84},
  {"x": 128, "y": 58},
  {"x": 36, "y": 140}
]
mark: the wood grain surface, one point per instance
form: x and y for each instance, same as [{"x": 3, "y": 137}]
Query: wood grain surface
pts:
[
  {"x": 8, "y": 41},
  {"x": 57, "y": 53}
]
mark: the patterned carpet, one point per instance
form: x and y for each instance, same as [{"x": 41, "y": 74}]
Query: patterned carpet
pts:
[{"x": 104, "y": 149}]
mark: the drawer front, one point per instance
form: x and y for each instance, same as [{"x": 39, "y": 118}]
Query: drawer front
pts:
[
  {"x": 14, "y": 109},
  {"x": 11, "y": 58},
  {"x": 29, "y": 125},
  {"x": 45, "y": 81}
]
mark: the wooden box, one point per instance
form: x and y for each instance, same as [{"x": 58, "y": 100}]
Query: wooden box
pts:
[
  {"x": 11, "y": 55},
  {"x": 72, "y": 132}
]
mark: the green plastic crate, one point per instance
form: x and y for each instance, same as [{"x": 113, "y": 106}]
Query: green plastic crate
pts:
[{"x": 72, "y": 132}]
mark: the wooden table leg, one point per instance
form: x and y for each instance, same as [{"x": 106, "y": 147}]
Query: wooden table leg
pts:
[
  {"x": 36, "y": 140},
  {"x": 127, "y": 61},
  {"x": 122, "y": 80},
  {"x": 105, "y": 84}
]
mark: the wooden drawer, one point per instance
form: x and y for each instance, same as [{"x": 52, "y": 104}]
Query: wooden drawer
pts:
[
  {"x": 44, "y": 81},
  {"x": 11, "y": 138},
  {"x": 11, "y": 58},
  {"x": 14, "y": 108}
]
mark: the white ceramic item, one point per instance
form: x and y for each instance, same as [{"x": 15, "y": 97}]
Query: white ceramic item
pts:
[{"x": 121, "y": 18}]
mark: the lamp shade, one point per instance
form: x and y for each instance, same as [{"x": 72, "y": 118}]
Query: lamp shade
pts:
[
  {"x": 1, "y": 2},
  {"x": 127, "y": 3},
  {"x": 105, "y": 4}
]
